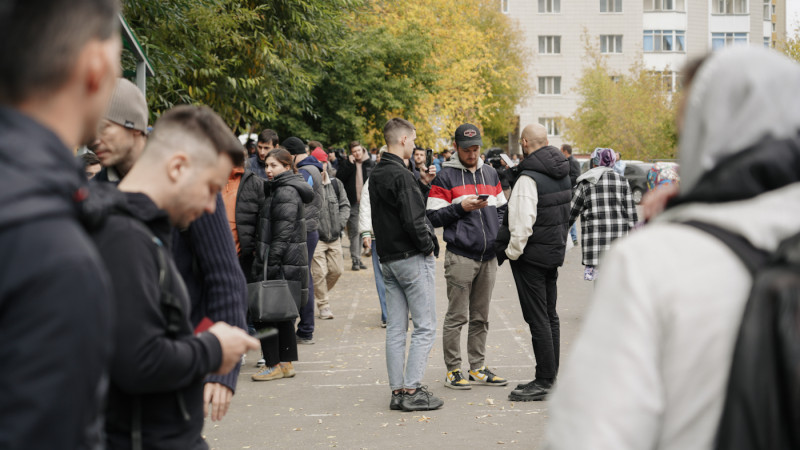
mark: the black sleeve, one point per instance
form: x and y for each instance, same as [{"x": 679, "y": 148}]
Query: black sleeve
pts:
[
  {"x": 412, "y": 214},
  {"x": 146, "y": 359},
  {"x": 55, "y": 337},
  {"x": 283, "y": 217},
  {"x": 346, "y": 170}
]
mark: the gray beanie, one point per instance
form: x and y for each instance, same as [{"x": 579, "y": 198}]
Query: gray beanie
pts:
[{"x": 128, "y": 106}]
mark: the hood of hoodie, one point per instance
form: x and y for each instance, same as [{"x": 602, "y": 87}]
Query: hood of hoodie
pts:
[
  {"x": 310, "y": 161},
  {"x": 296, "y": 181},
  {"x": 40, "y": 176},
  {"x": 739, "y": 97},
  {"x": 547, "y": 160},
  {"x": 593, "y": 175},
  {"x": 456, "y": 163}
]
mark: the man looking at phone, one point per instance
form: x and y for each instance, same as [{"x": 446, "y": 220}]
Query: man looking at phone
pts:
[{"x": 466, "y": 198}]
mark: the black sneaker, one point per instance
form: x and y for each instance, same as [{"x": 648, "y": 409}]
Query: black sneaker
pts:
[
  {"x": 362, "y": 266},
  {"x": 522, "y": 386},
  {"x": 535, "y": 391},
  {"x": 356, "y": 266},
  {"x": 421, "y": 400},
  {"x": 396, "y": 403}
]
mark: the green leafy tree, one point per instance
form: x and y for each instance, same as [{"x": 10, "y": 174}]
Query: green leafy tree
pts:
[
  {"x": 791, "y": 46},
  {"x": 633, "y": 113}
]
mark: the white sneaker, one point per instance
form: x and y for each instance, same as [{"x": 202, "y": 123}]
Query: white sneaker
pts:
[
  {"x": 261, "y": 362},
  {"x": 325, "y": 313}
]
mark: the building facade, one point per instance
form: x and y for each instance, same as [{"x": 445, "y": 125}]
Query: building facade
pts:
[{"x": 663, "y": 34}]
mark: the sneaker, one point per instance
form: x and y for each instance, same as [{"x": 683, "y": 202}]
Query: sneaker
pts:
[
  {"x": 535, "y": 391},
  {"x": 456, "y": 381},
  {"x": 305, "y": 341},
  {"x": 261, "y": 362},
  {"x": 288, "y": 369},
  {"x": 485, "y": 376},
  {"x": 362, "y": 266},
  {"x": 356, "y": 266},
  {"x": 268, "y": 373},
  {"x": 325, "y": 313},
  {"x": 395, "y": 404},
  {"x": 421, "y": 400},
  {"x": 383, "y": 324},
  {"x": 575, "y": 242},
  {"x": 522, "y": 386}
]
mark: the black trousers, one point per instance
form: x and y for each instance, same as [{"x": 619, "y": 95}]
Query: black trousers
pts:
[
  {"x": 537, "y": 292},
  {"x": 280, "y": 348}
]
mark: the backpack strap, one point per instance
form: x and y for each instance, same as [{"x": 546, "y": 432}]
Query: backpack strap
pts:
[{"x": 753, "y": 258}]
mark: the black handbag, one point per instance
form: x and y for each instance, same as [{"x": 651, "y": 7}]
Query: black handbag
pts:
[{"x": 273, "y": 300}]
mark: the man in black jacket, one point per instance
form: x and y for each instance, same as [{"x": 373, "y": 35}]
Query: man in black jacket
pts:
[
  {"x": 159, "y": 365},
  {"x": 406, "y": 253},
  {"x": 538, "y": 215},
  {"x": 59, "y": 61},
  {"x": 354, "y": 171}
]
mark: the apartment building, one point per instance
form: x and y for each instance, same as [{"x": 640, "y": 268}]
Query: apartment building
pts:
[{"x": 663, "y": 33}]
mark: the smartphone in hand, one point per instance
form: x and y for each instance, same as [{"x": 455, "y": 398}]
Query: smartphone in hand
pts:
[
  {"x": 483, "y": 197},
  {"x": 428, "y": 158}
]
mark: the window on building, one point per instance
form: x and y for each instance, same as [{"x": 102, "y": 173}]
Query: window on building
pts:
[
  {"x": 720, "y": 40},
  {"x": 504, "y": 6},
  {"x": 729, "y": 7},
  {"x": 668, "y": 80},
  {"x": 664, "y": 41},
  {"x": 550, "y": 85},
  {"x": 550, "y": 6},
  {"x": 549, "y": 45},
  {"x": 610, "y": 43},
  {"x": 665, "y": 5},
  {"x": 553, "y": 125},
  {"x": 610, "y": 5},
  {"x": 767, "y": 16},
  {"x": 766, "y": 41}
]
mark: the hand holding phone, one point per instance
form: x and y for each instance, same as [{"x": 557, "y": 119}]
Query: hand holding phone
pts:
[{"x": 483, "y": 197}]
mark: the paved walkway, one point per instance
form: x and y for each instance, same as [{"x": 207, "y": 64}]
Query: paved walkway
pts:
[{"x": 340, "y": 396}]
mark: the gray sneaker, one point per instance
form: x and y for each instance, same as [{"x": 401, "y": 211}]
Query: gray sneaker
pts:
[
  {"x": 396, "y": 403},
  {"x": 305, "y": 341},
  {"x": 421, "y": 400}
]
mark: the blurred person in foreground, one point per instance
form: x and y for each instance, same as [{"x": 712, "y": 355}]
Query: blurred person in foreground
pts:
[
  {"x": 650, "y": 368},
  {"x": 59, "y": 62}
]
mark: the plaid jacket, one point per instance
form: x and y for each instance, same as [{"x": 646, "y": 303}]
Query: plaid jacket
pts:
[{"x": 603, "y": 201}]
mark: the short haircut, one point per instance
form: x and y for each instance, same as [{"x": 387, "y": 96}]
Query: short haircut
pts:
[
  {"x": 395, "y": 128},
  {"x": 268, "y": 136},
  {"x": 567, "y": 148},
  {"x": 314, "y": 145},
  {"x": 40, "y": 41},
  {"x": 282, "y": 156},
  {"x": 419, "y": 149},
  {"x": 89, "y": 159},
  {"x": 199, "y": 123},
  {"x": 354, "y": 144}
]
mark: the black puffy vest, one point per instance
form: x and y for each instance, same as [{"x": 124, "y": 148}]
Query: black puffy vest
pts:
[{"x": 547, "y": 244}]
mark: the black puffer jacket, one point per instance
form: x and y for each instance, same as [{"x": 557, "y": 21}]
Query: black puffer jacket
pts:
[
  {"x": 281, "y": 231},
  {"x": 249, "y": 201}
]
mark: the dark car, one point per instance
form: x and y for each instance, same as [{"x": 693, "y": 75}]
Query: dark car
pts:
[{"x": 636, "y": 174}]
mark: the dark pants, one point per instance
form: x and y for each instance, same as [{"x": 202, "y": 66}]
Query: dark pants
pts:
[
  {"x": 305, "y": 329},
  {"x": 536, "y": 288},
  {"x": 280, "y": 348}
]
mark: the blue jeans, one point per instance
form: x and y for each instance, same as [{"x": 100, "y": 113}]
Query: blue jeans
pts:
[
  {"x": 573, "y": 232},
  {"x": 379, "y": 286},
  {"x": 305, "y": 329},
  {"x": 409, "y": 286}
]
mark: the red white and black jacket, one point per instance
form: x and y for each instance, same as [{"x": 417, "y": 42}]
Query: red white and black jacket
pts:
[{"x": 469, "y": 234}]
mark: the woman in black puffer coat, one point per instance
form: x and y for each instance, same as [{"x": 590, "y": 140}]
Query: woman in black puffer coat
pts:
[{"x": 281, "y": 240}]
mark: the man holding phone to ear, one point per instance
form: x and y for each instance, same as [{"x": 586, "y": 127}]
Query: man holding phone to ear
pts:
[{"x": 466, "y": 198}]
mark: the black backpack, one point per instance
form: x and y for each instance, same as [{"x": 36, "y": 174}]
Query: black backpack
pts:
[{"x": 762, "y": 401}]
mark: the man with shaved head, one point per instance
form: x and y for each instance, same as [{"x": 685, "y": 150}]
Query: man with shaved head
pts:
[{"x": 538, "y": 214}]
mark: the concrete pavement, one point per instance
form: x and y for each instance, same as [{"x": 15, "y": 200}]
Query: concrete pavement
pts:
[{"x": 340, "y": 396}]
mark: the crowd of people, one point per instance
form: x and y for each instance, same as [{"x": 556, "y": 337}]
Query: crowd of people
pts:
[{"x": 144, "y": 271}]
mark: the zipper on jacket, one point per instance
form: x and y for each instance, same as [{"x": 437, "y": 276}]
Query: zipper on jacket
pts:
[{"x": 480, "y": 214}]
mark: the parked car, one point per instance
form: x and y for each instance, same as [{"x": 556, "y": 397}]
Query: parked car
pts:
[{"x": 636, "y": 174}]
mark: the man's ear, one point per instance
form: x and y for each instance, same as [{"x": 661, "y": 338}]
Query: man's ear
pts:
[{"x": 178, "y": 166}]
